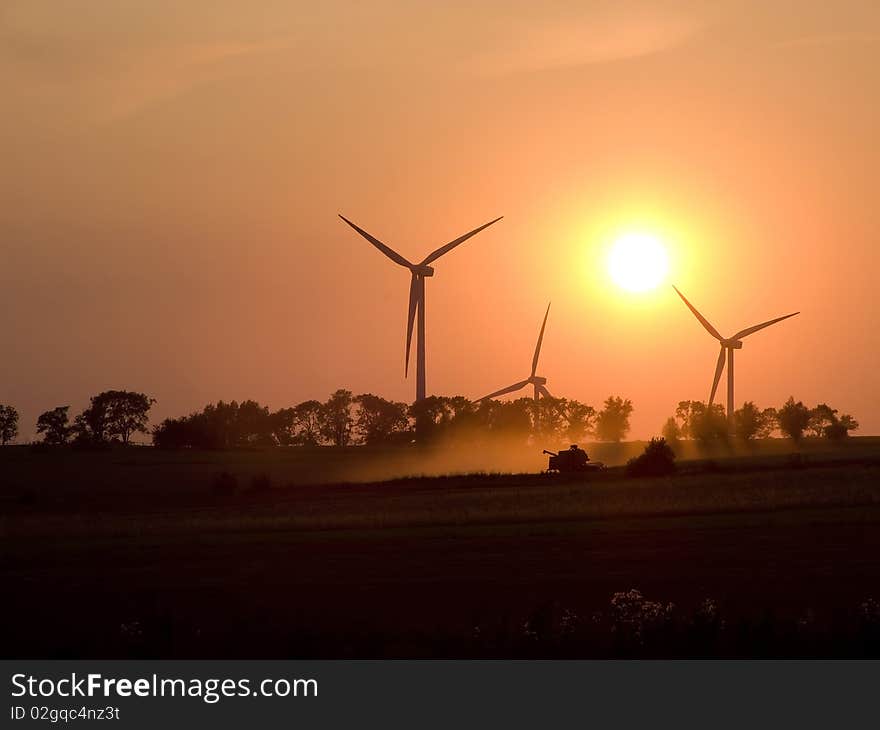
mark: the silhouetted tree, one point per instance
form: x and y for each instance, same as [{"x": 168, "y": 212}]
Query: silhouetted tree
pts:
[
  {"x": 671, "y": 431},
  {"x": 379, "y": 420},
  {"x": 821, "y": 417},
  {"x": 769, "y": 423},
  {"x": 512, "y": 419},
  {"x": 54, "y": 425},
  {"x": 841, "y": 427},
  {"x": 337, "y": 418},
  {"x": 460, "y": 407},
  {"x": 685, "y": 413},
  {"x": 464, "y": 420},
  {"x": 825, "y": 422},
  {"x": 88, "y": 427},
  {"x": 793, "y": 419},
  {"x": 749, "y": 421},
  {"x": 220, "y": 424},
  {"x": 431, "y": 417},
  {"x": 283, "y": 424},
  {"x": 298, "y": 426},
  {"x": 580, "y": 420},
  {"x": 113, "y": 415},
  {"x": 180, "y": 433},
  {"x": 548, "y": 418},
  {"x": 307, "y": 423},
  {"x": 8, "y": 424},
  {"x": 342, "y": 419},
  {"x": 701, "y": 423},
  {"x": 709, "y": 425},
  {"x": 126, "y": 413},
  {"x": 253, "y": 425},
  {"x": 612, "y": 423}
]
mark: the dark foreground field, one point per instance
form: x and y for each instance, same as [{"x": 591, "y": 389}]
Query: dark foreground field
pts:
[{"x": 141, "y": 553}]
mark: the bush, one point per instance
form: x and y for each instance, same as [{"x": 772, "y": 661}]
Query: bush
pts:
[
  {"x": 224, "y": 483},
  {"x": 657, "y": 460}
]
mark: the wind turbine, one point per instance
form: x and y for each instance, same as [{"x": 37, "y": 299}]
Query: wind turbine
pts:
[
  {"x": 728, "y": 345},
  {"x": 537, "y": 381},
  {"x": 417, "y": 294}
]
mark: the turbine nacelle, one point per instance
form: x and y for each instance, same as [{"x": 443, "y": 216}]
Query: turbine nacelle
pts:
[
  {"x": 733, "y": 344},
  {"x": 537, "y": 380},
  {"x": 421, "y": 270}
]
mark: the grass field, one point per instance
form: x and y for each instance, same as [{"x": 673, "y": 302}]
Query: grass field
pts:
[{"x": 137, "y": 552}]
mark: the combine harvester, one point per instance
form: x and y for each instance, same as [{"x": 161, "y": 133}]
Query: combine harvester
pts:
[{"x": 572, "y": 461}]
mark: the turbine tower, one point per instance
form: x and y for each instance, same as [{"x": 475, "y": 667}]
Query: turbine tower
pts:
[
  {"x": 417, "y": 294},
  {"x": 728, "y": 345},
  {"x": 537, "y": 381}
]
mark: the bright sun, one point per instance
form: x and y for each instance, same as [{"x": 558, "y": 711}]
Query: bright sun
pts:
[{"x": 638, "y": 262}]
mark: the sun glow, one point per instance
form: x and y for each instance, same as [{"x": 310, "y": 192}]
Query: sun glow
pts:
[{"x": 638, "y": 262}]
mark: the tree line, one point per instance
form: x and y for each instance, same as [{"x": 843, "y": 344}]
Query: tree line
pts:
[
  {"x": 695, "y": 420},
  {"x": 113, "y": 416},
  {"x": 345, "y": 419}
]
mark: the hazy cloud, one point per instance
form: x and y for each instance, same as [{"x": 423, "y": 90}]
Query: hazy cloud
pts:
[
  {"x": 541, "y": 46},
  {"x": 67, "y": 63},
  {"x": 102, "y": 82},
  {"x": 828, "y": 39}
]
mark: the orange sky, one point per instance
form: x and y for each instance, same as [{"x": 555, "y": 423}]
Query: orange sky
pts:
[{"x": 171, "y": 178}]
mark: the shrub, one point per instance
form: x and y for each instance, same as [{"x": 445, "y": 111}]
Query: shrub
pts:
[{"x": 658, "y": 459}]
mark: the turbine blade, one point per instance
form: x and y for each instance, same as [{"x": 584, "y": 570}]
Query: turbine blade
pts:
[
  {"x": 719, "y": 368},
  {"x": 411, "y": 317},
  {"x": 751, "y": 330},
  {"x": 703, "y": 321},
  {"x": 540, "y": 340},
  {"x": 389, "y": 252},
  {"x": 543, "y": 391},
  {"x": 509, "y": 389},
  {"x": 452, "y": 244}
]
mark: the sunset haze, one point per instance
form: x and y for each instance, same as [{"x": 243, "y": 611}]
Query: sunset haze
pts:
[{"x": 172, "y": 175}]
